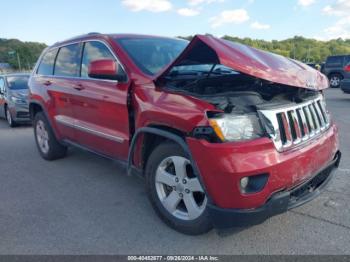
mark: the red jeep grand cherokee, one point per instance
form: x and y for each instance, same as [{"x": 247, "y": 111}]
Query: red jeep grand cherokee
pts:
[{"x": 225, "y": 135}]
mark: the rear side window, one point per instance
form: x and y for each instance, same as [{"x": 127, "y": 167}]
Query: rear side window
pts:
[
  {"x": 47, "y": 62},
  {"x": 94, "y": 51},
  {"x": 335, "y": 60},
  {"x": 347, "y": 60},
  {"x": 68, "y": 61},
  {"x": 2, "y": 85}
]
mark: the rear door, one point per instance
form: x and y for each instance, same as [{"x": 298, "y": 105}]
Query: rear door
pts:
[
  {"x": 100, "y": 106},
  {"x": 62, "y": 87},
  {"x": 2, "y": 97},
  {"x": 48, "y": 91}
]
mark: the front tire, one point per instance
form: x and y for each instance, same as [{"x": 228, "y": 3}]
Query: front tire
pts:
[
  {"x": 9, "y": 118},
  {"x": 48, "y": 146},
  {"x": 175, "y": 192}
]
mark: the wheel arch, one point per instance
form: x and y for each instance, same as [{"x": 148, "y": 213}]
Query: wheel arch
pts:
[
  {"x": 150, "y": 140},
  {"x": 34, "y": 108},
  {"x": 335, "y": 73},
  {"x": 37, "y": 106},
  {"x": 5, "y": 108},
  {"x": 156, "y": 134}
]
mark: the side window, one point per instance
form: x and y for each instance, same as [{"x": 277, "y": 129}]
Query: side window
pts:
[
  {"x": 347, "y": 60},
  {"x": 95, "y": 51},
  {"x": 68, "y": 61},
  {"x": 335, "y": 60},
  {"x": 2, "y": 86},
  {"x": 47, "y": 62}
]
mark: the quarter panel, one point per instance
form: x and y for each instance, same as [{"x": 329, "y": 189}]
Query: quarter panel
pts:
[{"x": 55, "y": 100}]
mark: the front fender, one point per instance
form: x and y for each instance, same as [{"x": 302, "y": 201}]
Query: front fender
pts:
[
  {"x": 153, "y": 106},
  {"x": 175, "y": 138}
]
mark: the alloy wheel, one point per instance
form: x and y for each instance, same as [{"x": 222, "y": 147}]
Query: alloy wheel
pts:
[
  {"x": 178, "y": 189},
  {"x": 8, "y": 117},
  {"x": 335, "y": 81},
  {"x": 42, "y": 137}
]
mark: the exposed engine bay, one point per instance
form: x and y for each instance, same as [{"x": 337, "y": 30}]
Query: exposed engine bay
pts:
[{"x": 236, "y": 92}]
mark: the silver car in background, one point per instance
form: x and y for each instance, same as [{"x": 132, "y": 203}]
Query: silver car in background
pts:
[{"x": 14, "y": 93}]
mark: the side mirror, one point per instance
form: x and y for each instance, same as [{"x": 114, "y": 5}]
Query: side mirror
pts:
[{"x": 104, "y": 69}]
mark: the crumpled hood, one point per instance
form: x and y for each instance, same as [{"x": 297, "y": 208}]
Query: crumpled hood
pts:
[{"x": 250, "y": 61}]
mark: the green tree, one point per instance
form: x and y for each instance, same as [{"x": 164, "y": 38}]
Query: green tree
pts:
[
  {"x": 298, "y": 47},
  {"x": 28, "y": 52}
]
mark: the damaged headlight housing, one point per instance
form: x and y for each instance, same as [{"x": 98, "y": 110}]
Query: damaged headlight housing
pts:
[
  {"x": 17, "y": 100},
  {"x": 232, "y": 127}
]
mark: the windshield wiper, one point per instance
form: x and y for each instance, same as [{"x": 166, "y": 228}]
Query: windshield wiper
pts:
[{"x": 186, "y": 73}]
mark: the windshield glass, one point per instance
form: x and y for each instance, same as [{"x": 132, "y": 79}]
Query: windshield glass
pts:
[
  {"x": 17, "y": 82},
  {"x": 152, "y": 54}
]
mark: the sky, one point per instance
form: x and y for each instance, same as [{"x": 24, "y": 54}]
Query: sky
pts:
[{"x": 50, "y": 21}]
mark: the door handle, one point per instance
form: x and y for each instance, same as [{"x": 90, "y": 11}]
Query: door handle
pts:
[
  {"x": 47, "y": 83},
  {"x": 79, "y": 87}
]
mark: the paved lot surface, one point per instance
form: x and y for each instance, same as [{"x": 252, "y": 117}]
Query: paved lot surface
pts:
[{"x": 85, "y": 204}]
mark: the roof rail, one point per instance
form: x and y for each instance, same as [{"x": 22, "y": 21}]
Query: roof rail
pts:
[{"x": 77, "y": 37}]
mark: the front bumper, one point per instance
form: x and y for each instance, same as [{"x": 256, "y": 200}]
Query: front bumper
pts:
[
  {"x": 279, "y": 202},
  {"x": 223, "y": 165},
  {"x": 20, "y": 112}
]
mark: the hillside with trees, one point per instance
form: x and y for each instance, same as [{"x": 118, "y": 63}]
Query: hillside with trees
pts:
[
  {"x": 28, "y": 53},
  {"x": 299, "y": 48}
]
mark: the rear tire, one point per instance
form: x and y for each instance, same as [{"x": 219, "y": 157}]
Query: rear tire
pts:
[
  {"x": 334, "y": 80},
  {"x": 177, "y": 197},
  {"x": 48, "y": 146}
]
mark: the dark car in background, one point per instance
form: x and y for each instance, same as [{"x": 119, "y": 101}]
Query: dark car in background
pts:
[
  {"x": 345, "y": 84},
  {"x": 334, "y": 69},
  {"x": 14, "y": 98}
]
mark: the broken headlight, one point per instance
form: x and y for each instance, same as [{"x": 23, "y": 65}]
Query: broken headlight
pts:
[
  {"x": 17, "y": 100},
  {"x": 231, "y": 127}
]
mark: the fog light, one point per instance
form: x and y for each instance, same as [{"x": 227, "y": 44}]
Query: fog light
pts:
[
  {"x": 253, "y": 184},
  {"x": 244, "y": 182}
]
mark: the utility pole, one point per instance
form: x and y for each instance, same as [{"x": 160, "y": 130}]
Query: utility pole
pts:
[
  {"x": 293, "y": 49},
  {"x": 19, "y": 62},
  {"x": 308, "y": 55},
  {"x": 18, "y": 58}
]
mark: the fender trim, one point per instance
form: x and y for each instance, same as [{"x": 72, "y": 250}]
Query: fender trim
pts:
[
  {"x": 131, "y": 168},
  {"x": 45, "y": 113}
]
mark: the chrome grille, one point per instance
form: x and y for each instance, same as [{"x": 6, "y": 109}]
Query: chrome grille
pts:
[{"x": 293, "y": 125}]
